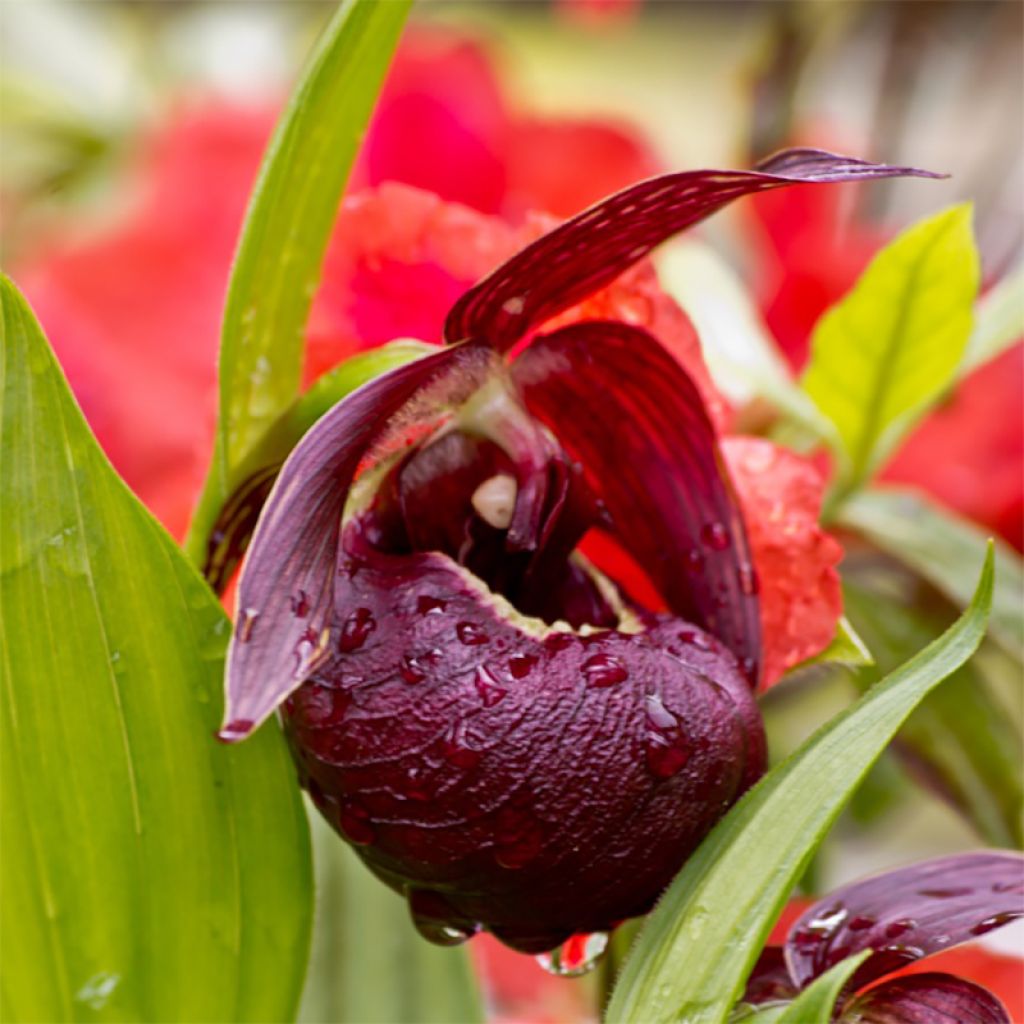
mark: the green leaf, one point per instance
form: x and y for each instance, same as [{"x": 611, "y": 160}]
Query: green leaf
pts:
[
  {"x": 847, "y": 648},
  {"x": 369, "y": 965},
  {"x": 890, "y": 347},
  {"x": 149, "y": 872},
  {"x": 998, "y": 321},
  {"x": 701, "y": 941},
  {"x": 288, "y": 224},
  {"x": 817, "y": 1001},
  {"x": 943, "y": 548},
  {"x": 960, "y": 739}
]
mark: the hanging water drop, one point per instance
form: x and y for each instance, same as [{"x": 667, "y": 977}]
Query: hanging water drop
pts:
[
  {"x": 603, "y": 670},
  {"x": 578, "y": 955}
]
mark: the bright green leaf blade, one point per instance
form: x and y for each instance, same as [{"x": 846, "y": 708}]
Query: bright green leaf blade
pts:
[
  {"x": 846, "y": 648},
  {"x": 891, "y": 346},
  {"x": 966, "y": 745},
  {"x": 998, "y": 321},
  {"x": 287, "y": 226},
  {"x": 149, "y": 872},
  {"x": 814, "y": 1005},
  {"x": 700, "y": 943},
  {"x": 369, "y": 965},
  {"x": 943, "y": 548}
]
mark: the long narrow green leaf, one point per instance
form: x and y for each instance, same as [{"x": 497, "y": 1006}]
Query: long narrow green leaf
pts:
[
  {"x": 943, "y": 548},
  {"x": 292, "y": 211},
  {"x": 966, "y": 745},
  {"x": 816, "y": 1002},
  {"x": 369, "y": 966},
  {"x": 699, "y": 944},
  {"x": 892, "y": 345},
  {"x": 149, "y": 873}
]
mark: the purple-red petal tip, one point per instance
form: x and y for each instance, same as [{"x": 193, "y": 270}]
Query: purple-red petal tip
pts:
[{"x": 235, "y": 731}]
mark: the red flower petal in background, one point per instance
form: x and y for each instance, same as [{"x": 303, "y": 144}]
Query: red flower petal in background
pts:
[
  {"x": 969, "y": 452},
  {"x": 801, "y": 599}
]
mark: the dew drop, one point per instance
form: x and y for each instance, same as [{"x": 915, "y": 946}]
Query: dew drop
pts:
[
  {"x": 436, "y": 920},
  {"x": 518, "y": 839},
  {"x": 319, "y": 706},
  {"x": 827, "y": 922},
  {"x": 861, "y": 923},
  {"x": 521, "y": 665},
  {"x": 944, "y": 894},
  {"x": 694, "y": 560},
  {"x": 300, "y": 604},
  {"x": 471, "y": 634},
  {"x": 694, "y": 639},
  {"x": 411, "y": 671},
  {"x": 456, "y": 750},
  {"x": 749, "y": 582},
  {"x": 246, "y": 624},
  {"x": 898, "y": 928},
  {"x": 578, "y": 955},
  {"x": 715, "y": 536},
  {"x": 602, "y": 670},
  {"x": 414, "y": 787},
  {"x": 358, "y": 626},
  {"x": 354, "y": 822},
  {"x": 558, "y": 641},
  {"x": 427, "y": 605},
  {"x": 488, "y": 687},
  {"x": 666, "y": 748},
  {"x": 996, "y": 921}
]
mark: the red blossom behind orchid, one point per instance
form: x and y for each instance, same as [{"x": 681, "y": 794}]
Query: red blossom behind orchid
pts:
[{"x": 493, "y": 723}]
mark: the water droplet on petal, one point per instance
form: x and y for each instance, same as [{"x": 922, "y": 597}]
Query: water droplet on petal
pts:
[
  {"x": 521, "y": 665},
  {"x": 300, "y": 604},
  {"x": 354, "y": 822},
  {"x": 715, "y": 536},
  {"x": 455, "y": 748},
  {"x": 471, "y": 634},
  {"x": 558, "y": 641},
  {"x": 666, "y": 746},
  {"x": 358, "y": 626},
  {"x": 246, "y": 624},
  {"x": 488, "y": 687},
  {"x": 320, "y": 706},
  {"x": 578, "y": 955},
  {"x": 414, "y": 787},
  {"x": 898, "y": 928},
  {"x": 694, "y": 562},
  {"x": 996, "y": 921},
  {"x": 694, "y": 639},
  {"x": 828, "y": 921},
  {"x": 860, "y": 923},
  {"x": 411, "y": 670},
  {"x": 518, "y": 839},
  {"x": 749, "y": 582},
  {"x": 601, "y": 670},
  {"x": 436, "y": 920},
  {"x": 427, "y": 605}
]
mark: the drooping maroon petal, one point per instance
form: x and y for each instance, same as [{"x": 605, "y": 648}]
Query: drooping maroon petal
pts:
[
  {"x": 506, "y": 774},
  {"x": 622, "y": 406},
  {"x": 594, "y": 247},
  {"x": 926, "y": 999},
  {"x": 907, "y": 914},
  {"x": 284, "y": 594}
]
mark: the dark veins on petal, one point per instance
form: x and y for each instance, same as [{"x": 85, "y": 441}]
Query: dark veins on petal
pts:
[
  {"x": 590, "y": 250},
  {"x": 651, "y": 455},
  {"x": 926, "y": 999},
  {"x": 907, "y": 914}
]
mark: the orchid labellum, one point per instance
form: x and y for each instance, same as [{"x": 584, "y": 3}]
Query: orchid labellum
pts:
[
  {"x": 902, "y": 916},
  {"x": 504, "y": 734}
]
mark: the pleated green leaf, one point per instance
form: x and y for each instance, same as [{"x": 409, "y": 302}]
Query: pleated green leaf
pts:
[
  {"x": 369, "y": 965},
  {"x": 701, "y": 941},
  {"x": 893, "y": 344},
  {"x": 289, "y": 221},
  {"x": 149, "y": 873}
]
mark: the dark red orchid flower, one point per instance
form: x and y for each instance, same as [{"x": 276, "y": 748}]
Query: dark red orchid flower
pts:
[
  {"x": 902, "y": 916},
  {"x": 505, "y": 735}
]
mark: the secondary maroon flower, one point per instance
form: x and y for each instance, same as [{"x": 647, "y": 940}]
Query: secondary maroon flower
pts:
[
  {"x": 903, "y": 916},
  {"x": 506, "y": 735}
]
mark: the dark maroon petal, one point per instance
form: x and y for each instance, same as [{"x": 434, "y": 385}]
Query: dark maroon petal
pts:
[
  {"x": 769, "y": 981},
  {"x": 503, "y": 773},
  {"x": 907, "y": 914},
  {"x": 926, "y": 999},
  {"x": 622, "y": 406},
  {"x": 284, "y": 594},
  {"x": 594, "y": 247}
]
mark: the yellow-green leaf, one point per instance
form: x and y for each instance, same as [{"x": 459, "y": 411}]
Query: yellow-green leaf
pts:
[
  {"x": 890, "y": 347},
  {"x": 149, "y": 873}
]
